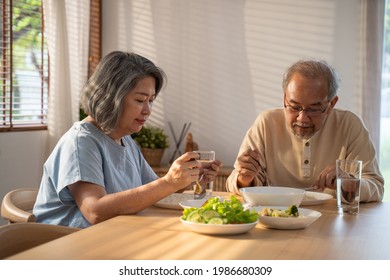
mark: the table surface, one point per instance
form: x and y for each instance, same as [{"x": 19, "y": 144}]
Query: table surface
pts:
[{"x": 156, "y": 233}]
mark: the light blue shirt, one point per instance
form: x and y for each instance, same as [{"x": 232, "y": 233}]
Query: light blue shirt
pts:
[{"x": 85, "y": 153}]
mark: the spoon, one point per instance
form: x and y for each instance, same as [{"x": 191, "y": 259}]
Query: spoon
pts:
[{"x": 199, "y": 191}]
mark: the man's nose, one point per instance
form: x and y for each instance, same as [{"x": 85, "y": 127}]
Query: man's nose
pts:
[{"x": 303, "y": 115}]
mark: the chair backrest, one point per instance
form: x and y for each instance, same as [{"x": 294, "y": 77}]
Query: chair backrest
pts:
[
  {"x": 18, "y": 237},
  {"x": 17, "y": 205}
]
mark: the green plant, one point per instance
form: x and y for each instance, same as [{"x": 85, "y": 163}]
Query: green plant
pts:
[
  {"x": 151, "y": 137},
  {"x": 82, "y": 114}
]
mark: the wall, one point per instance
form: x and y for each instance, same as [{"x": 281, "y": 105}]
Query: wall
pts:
[
  {"x": 225, "y": 59},
  {"x": 22, "y": 155}
]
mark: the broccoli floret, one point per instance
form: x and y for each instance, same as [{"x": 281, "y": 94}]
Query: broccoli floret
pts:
[{"x": 292, "y": 211}]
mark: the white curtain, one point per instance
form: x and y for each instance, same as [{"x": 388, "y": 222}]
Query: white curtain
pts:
[
  {"x": 67, "y": 30},
  {"x": 373, "y": 13}
]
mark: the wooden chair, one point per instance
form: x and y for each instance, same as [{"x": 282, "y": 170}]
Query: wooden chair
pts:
[
  {"x": 18, "y": 237},
  {"x": 17, "y": 205}
]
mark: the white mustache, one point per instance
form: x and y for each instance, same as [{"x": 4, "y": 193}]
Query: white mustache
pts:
[{"x": 304, "y": 125}]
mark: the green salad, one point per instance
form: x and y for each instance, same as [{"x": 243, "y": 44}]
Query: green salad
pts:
[{"x": 214, "y": 211}]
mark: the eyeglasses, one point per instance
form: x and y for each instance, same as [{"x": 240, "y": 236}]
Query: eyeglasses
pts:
[{"x": 311, "y": 112}]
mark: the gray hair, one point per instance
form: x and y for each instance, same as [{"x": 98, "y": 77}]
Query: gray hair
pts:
[
  {"x": 314, "y": 69},
  {"x": 103, "y": 95}
]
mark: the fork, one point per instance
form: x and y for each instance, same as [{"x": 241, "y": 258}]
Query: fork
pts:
[
  {"x": 199, "y": 191},
  {"x": 312, "y": 188}
]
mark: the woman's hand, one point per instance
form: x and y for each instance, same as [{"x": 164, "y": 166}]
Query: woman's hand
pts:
[
  {"x": 183, "y": 171},
  {"x": 209, "y": 172}
]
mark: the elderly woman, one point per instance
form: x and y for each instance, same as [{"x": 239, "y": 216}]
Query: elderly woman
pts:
[{"x": 96, "y": 171}]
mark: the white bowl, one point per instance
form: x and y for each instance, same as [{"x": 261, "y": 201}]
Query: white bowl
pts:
[
  {"x": 267, "y": 196},
  {"x": 173, "y": 201},
  {"x": 195, "y": 203},
  {"x": 192, "y": 203}
]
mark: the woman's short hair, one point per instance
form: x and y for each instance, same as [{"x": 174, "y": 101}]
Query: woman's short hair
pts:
[
  {"x": 103, "y": 95},
  {"x": 314, "y": 69}
]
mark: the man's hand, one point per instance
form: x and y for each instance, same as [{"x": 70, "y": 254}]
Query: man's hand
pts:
[
  {"x": 326, "y": 179},
  {"x": 248, "y": 166}
]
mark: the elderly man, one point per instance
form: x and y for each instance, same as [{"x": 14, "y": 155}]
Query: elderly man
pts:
[{"x": 298, "y": 146}]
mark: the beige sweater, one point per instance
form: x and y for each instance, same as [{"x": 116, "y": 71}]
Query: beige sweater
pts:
[{"x": 290, "y": 161}]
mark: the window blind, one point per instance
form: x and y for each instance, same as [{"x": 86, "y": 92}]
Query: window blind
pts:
[
  {"x": 95, "y": 50},
  {"x": 24, "y": 68}
]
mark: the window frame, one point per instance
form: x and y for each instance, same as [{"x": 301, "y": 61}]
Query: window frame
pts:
[{"x": 7, "y": 121}]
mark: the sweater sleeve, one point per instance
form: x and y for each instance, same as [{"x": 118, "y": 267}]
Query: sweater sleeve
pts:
[{"x": 362, "y": 148}]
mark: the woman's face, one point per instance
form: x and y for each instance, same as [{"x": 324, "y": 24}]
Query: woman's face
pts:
[{"x": 136, "y": 108}]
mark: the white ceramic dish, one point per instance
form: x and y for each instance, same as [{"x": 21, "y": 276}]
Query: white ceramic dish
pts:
[
  {"x": 230, "y": 229},
  {"x": 315, "y": 198},
  {"x": 306, "y": 219},
  {"x": 273, "y": 195},
  {"x": 173, "y": 201},
  {"x": 195, "y": 203}
]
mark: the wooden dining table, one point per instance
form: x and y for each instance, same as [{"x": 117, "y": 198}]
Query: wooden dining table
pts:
[{"x": 157, "y": 234}]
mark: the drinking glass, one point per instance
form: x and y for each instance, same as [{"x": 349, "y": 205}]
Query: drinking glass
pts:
[
  {"x": 348, "y": 176},
  {"x": 206, "y": 158}
]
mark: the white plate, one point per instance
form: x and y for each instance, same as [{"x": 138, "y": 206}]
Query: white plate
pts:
[
  {"x": 307, "y": 218},
  {"x": 229, "y": 229},
  {"x": 173, "y": 201},
  {"x": 315, "y": 198}
]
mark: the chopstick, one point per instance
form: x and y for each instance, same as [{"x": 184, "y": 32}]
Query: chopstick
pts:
[
  {"x": 264, "y": 170},
  {"x": 183, "y": 133}
]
